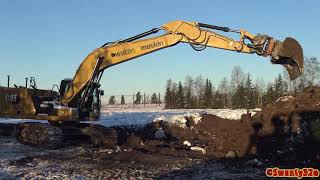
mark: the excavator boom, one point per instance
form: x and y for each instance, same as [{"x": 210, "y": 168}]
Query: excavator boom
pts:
[
  {"x": 79, "y": 98},
  {"x": 288, "y": 53}
]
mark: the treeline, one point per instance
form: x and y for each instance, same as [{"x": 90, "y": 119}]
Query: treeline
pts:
[
  {"x": 238, "y": 91},
  {"x": 137, "y": 98}
]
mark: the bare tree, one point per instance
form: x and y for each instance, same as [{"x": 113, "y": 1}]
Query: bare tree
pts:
[
  {"x": 311, "y": 70},
  {"x": 199, "y": 84},
  {"x": 223, "y": 85},
  {"x": 290, "y": 84},
  {"x": 311, "y": 75},
  {"x": 223, "y": 89},
  {"x": 199, "y": 90},
  {"x": 189, "y": 84},
  {"x": 174, "y": 87},
  {"x": 260, "y": 86},
  {"x": 189, "y": 92},
  {"x": 169, "y": 83},
  {"x": 237, "y": 77}
]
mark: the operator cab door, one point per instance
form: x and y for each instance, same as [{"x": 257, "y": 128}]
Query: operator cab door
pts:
[
  {"x": 64, "y": 85},
  {"x": 96, "y": 104},
  {"x": 92, "y": 103}
]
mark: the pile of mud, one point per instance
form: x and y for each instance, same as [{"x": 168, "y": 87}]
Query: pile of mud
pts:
[
  {"x": 289, "y": 129},
  {"x": 286, "y": 130},
  {"x": 210, "y": 136}
]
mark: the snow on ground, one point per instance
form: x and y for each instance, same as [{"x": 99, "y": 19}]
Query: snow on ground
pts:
[
  {"x": 180, "y": 119},
  {"x": 223, "y": 113},
  {"x": 12, "y": 151},
  {"x": 143, "y": 115}
]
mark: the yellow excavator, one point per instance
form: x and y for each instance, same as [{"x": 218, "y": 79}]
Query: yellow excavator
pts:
[{"x": 78, "y": 99}]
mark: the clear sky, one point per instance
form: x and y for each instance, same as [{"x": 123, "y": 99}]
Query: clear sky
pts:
[{"x": 49, "y": 39}]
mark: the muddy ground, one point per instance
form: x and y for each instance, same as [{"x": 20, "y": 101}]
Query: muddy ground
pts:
[
  {"x": 284, "y": 134},
  {"x": 87, "y": 162}
]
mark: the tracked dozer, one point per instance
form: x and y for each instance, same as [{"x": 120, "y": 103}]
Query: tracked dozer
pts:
[{"x": 78, "y": 99}]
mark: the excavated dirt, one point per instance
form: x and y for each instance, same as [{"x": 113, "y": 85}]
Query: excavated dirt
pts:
[
  {"x": 284, "y": 134},
  {"x": 218, "y": 137},
  {"x": 287, "y": 130}
]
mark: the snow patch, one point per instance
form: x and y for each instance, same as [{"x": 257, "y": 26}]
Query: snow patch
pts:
[
  {"x": 285, "y": 98},
  {"x": 233, "y": 114},
  {"x": 197, "y": 148},
  {"x": 179, "y": 120},
  {"x": 187, "y": 143}
]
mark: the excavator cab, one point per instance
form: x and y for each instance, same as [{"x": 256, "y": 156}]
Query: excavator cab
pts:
[{"x": 89, "y": 103}]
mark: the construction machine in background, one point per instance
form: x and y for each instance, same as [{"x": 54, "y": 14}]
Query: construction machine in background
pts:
[{"x": 78, "y": 99}]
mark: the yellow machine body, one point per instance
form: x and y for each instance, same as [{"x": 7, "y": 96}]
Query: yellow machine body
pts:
[
  {"x": 76, "y": 100},
  {"x": 24, "y": 103}
]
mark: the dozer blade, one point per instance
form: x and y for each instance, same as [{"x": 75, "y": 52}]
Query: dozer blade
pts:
[{"x": 289, "y": 54}]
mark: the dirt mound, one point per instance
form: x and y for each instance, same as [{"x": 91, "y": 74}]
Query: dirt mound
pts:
[
  {"x": 290, "y": 111},
  {"x": 210, "y": 136},
  {"x": 285, "y": 129},
  {"x": 229, "y": 138},
  {"x": 289, "y": 129}
]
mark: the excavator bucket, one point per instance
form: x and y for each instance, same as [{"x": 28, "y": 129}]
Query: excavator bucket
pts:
[{"x": 289, "y": 54}]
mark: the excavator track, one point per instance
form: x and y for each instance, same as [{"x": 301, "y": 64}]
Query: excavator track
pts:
[
  {"x": 39, "y": 134},
  {"x": 53, "y": 136}
]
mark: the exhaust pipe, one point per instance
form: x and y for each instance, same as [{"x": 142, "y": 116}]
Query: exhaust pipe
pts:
[{"x": 8, "y": 76}]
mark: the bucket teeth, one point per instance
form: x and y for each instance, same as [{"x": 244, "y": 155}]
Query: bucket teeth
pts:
[{"x": 289, "y": 54}]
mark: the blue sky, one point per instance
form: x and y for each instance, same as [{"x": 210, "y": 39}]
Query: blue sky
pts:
[{"x": 49, "y": 39}]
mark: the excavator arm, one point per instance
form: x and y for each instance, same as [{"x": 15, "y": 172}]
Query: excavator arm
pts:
[
  {"x": 79, "y": 98},
  {"x": 198, "y": 35}
]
